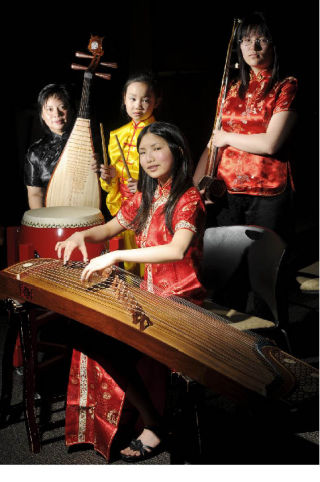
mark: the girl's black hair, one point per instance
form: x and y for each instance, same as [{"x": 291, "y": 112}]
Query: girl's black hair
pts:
[
  {"x": 256, "y": 22},
  {"x": 181, "y": 174},
  {"x": 148, "y": 78},
  {"x": 55, "y": 90}
]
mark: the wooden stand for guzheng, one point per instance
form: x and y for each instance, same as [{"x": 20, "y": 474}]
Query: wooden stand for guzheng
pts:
[{"x": 179, "y": 334}]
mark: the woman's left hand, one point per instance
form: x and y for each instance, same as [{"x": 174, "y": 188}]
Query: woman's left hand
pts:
[
  {"x": 99, "y": 264},
  {"x": 95, "y": 165},
  {"x": 219, "y": 138}
]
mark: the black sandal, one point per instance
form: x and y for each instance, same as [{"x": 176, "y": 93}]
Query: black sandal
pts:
[{"x": 146, "y": 451}]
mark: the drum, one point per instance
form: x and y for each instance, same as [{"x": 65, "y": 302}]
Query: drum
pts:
[{"x": 42, "y": 228}]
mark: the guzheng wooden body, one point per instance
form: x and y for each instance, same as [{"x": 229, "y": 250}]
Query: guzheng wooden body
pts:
[
  {"x": 73, "y": 182},
  {"x": 177, "y": 333}
]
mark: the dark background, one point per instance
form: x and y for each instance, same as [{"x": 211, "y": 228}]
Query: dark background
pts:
[{"x": 184, "y": 42}]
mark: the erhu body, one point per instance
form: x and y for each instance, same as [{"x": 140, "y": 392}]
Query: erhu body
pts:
[{"x": 209, "y": 183}]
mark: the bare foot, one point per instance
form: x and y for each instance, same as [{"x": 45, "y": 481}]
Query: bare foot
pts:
[{"x": 147, "y": 437}]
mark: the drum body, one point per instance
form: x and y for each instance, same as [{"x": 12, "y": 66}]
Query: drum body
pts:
[{"x": 42, "y": 228}]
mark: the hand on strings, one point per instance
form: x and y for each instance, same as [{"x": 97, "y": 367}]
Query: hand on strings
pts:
[
  {"x": 219, "y": 138},
  {"x": 99, "y": 264},
  {"x": 65, "y": 248},
  {"x": 95, "y": 163},
  {"x": 132, "y": 185},
  {"x": 107, "y": 172}
]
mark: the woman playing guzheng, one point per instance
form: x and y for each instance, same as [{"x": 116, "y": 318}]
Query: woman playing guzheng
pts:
[
  {"x": 167, "y": 215},
  {"x": 258, "y": 117},
  {"x": 140, "y": 96}
]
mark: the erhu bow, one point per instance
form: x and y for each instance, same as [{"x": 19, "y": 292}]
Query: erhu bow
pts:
[
  {"x": 73, "y": 182},
  {"x": 213, "y": 187}
]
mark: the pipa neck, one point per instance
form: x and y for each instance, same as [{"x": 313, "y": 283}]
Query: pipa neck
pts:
[{"x": 84, "y": 110}]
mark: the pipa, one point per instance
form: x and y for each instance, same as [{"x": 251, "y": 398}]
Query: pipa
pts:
[
  {"x": 177, "y": 333},
  {"x": 73, "y": 182}
]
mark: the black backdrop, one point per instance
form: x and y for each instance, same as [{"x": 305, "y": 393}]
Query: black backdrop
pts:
[{"x": 185, "y": 42}]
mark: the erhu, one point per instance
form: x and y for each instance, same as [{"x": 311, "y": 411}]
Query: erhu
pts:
[
  {"x": 213, "y": 187},
  {"x": 73, "y": 182}
]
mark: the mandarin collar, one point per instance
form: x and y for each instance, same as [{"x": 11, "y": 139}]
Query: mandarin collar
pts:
[
  {"x": 165, "y": 189},
  {"x": 261, "y": 75},
  {"x": 141, "y": 123},
  {"x": 59, "y": 137}
]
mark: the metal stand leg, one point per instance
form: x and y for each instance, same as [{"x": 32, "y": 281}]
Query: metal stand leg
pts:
[
  {"x": 7, "y": 365},
  {"x": 186, "y": 443}
]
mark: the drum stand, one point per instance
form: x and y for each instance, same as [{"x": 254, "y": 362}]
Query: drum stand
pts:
[{"x": 27, "y": 319}]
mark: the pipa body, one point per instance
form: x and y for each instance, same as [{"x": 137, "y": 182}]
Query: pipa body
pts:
[
  {"x": 73, "y": 182},
  {"x": 179, "y": 334}
]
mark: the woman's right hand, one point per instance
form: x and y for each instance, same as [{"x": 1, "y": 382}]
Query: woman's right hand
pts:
[
  {"x": 65, "y": 248},
  {"x": 107, "y": 172},
  {"x": 205, "y": 198}
]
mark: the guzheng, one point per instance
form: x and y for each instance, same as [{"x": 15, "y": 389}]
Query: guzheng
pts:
[
  {"x": 175, "y": 332},
  {"x": 73, "y": 182}
]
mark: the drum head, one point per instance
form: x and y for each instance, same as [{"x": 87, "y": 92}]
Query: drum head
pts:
[{"x": 62, "y": 217}]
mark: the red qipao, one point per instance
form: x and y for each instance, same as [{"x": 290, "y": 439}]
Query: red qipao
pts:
[
  {"x": 243, "y": 172},
  {"x": 180, "y": 278},
  {"x": 95, "y": 400}
]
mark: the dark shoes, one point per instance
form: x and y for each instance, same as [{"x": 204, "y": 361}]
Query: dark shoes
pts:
[{"x": 146, "y": 451}]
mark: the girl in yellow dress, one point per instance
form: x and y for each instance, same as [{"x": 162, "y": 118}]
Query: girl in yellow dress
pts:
[{"x": 140, "y": 96}]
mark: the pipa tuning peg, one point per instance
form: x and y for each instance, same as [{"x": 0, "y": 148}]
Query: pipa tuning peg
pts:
[
  {"x": 78, "y": 67},
  {"x": 103, "y": 76},
  {"x": 112, "y": 65},
  {"x": 82, "y": 55}
]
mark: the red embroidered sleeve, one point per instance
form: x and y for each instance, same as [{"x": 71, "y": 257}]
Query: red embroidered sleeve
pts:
[
  {"x": 189, "y": 212},
  {"x": 286, "y": 96},
  {"x": 129, "y": 210}
]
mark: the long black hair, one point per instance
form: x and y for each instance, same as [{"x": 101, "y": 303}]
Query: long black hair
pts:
[
  {"x": 62, "y": 92},
  {"x": 256, "y": 22},
  {"x": 181, "y": 174}
]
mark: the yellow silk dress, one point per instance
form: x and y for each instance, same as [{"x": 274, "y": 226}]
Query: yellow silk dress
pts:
[{"x": 117, "y": 188}]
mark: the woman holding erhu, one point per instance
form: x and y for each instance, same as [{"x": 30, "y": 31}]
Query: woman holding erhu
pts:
[{"x": 258, "y": 117}]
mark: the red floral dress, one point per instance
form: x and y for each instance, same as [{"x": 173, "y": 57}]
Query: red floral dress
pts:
[
  {"x": 95, "y": 401},
  {"x": 180, "y": 278},
  {"x": 243, "y": 172}
]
